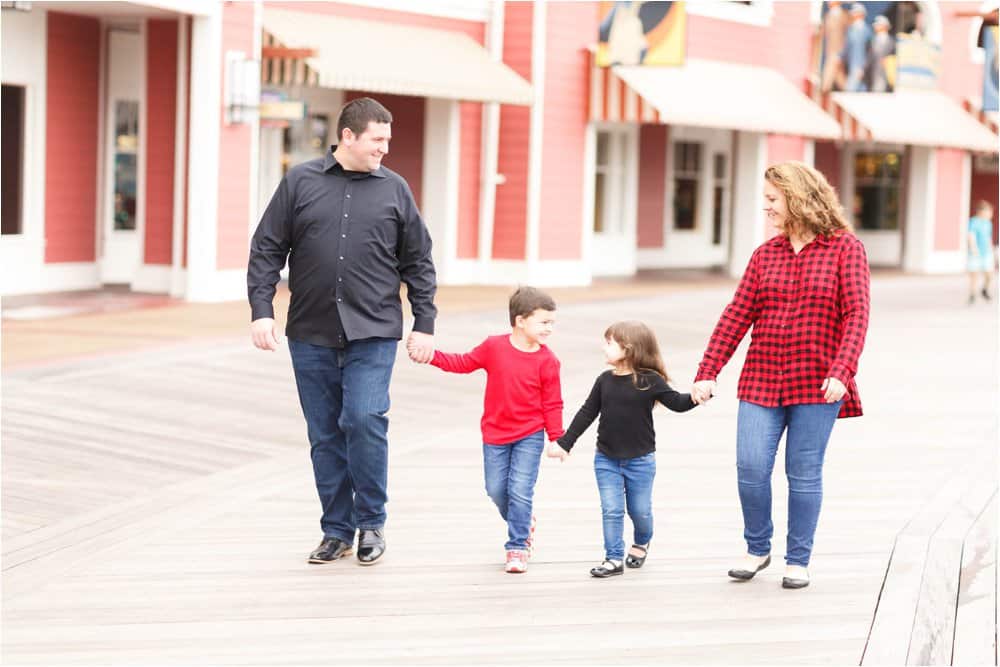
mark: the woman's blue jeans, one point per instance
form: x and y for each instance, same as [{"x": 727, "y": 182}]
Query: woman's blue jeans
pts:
[
  {"x": 758, "y": 430},
  {"x": 511, "y": 471},
  {"x": 625, "y": 484}
]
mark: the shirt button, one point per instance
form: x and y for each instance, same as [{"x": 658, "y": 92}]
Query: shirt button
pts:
[
  {"x": 340, "y": 280},
  {"x": 341, "y": 257},
  {"x": 343, "y": 236},
  {"x": 345, "y": 215},
  {"x": 339, "y": 299},
  {"x": 348, "y": 196}
]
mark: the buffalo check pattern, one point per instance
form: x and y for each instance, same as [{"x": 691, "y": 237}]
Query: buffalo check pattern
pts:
[{"x": 809, "y": 313}]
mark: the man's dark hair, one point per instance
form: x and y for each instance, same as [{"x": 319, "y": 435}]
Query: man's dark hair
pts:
[
  {"x": 527, "y": 300},
  {"x": 356, "y": 115}
]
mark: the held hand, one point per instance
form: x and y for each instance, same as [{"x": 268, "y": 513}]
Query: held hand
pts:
[
  {"x": 264, "y": 334},
  {"x": 833, "y": 389},
  {"x": 420, "y": 347},
  {"x": 556, "y": 452},
  {"x": 701, "y": 392}
]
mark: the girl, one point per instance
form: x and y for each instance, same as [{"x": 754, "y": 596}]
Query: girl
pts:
[{"x": 625, "y": 461}]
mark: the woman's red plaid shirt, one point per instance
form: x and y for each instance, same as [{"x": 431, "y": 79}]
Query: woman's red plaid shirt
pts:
[{"x": 809, "y": 313}]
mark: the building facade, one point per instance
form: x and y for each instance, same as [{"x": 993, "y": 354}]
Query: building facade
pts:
[{"x": 143, "y": 139}]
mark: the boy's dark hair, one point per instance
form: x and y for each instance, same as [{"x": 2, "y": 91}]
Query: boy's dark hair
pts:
[
  {"x": 356, "y": 114},
  {"x": 527, "y": 300}
]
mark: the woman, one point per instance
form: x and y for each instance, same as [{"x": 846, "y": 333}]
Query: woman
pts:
[{"x": 806, "y": 294}]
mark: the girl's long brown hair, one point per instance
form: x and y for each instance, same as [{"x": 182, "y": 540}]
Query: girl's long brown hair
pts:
[{"x": 642, "y": 352}]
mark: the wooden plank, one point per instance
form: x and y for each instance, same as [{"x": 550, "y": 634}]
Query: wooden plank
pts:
[{"x": 975, "y": 618}]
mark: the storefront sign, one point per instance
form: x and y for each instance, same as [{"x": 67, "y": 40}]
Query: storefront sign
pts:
[
  {"x": 918, "y": 63},
  {"x": 282, "y": 110},
  {"x": 641, "y": 33}
]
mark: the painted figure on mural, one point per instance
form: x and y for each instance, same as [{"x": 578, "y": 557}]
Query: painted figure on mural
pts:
[
  {"x": 989, "y": 36},
  {"x": 834, "y": 33},
  {"x": 883, "y": 46},
  {"x": 855, "y": 54},
  {"x": 631, "y": 32}
]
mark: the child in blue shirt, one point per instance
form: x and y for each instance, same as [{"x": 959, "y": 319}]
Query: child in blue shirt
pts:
[{"x": 980, "y": 249}]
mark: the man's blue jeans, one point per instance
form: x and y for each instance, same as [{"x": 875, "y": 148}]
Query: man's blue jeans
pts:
[
  {"x": 345, "y": 396},
  {"x": 758, "y": 430},
  {"x": 625, "y": 484},
  {"x": 511, "y": 471}
]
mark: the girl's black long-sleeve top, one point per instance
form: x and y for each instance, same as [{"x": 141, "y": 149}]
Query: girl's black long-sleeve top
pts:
[{"x": 625, "y": 429}]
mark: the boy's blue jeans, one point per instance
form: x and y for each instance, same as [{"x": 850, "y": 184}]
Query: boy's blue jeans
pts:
[
  {"x": 344, "y": 396},
  {"x": 625, "y": 484},
  {"x": 758, "y": 430},
  {"x": 511, "y": 471}
]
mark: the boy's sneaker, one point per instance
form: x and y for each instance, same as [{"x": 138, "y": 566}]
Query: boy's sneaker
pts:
[
  {"x": 530, "y": 542},
  {"x": 517, "y": 562}
]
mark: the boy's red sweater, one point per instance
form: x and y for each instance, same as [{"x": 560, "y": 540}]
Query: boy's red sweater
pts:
[{"x": 523, "y": 394}]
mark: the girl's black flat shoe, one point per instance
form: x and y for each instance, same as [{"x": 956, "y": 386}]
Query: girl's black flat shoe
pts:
[
  {"x": 636, "y": 561},
  {"x": 607, "y": 569}
]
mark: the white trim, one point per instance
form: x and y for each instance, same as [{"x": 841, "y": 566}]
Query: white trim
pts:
[
  {"x": 465, "y": 10},
  {"x": 490, "y": 153},
  {"x": 254, "y": 122},
  {"x": 440, "y": 185},
  {"x": 964, "y": 202},
  {"x": 544, "y": 273},
  {"x": 759, "y": 13},
  {"x": 180, "y": 162},
  {"x": 945, "y": 261},
  {"x": 747, "y": 227},
  {"x": 921, "y": 209},
  {"x": 809, "y": 152},
  {"x": 140, "y": 178},
  {"x": 536, "y": 133},
  {"x": 589, "y": 171},
  {"x": 153, "y": 278},
  {"x": 25, "y": 51},
  {"x": 203, "y": 165},
  {"x": 613, "y": 252},
  {"x": 100, "y": 205}
]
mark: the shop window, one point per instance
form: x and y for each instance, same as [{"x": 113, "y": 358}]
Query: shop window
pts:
[
  {"x": 126, "y": 163},
  {"x": 12, "y": 146},
  {"x": 720, "y": 175},
  {"x": 609, "y": 183},
  {"x": 687, "y": 169},
  {"x": 877, "y": 190}
]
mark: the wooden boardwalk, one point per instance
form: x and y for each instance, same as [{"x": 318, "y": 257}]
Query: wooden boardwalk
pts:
[{"x": 158, "y": 507}]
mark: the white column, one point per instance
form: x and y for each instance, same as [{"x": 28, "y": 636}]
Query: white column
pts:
[
  {"x": 439, "y": 198},
  {"x": 180, "y": 162},
  {"x": 203, "y": 161},
  {"x": 535, "y": 138},
  {"x": 488, "y": 179},
  {"x": 921, "y": 205},
  {"x": 748, "y": 199}
]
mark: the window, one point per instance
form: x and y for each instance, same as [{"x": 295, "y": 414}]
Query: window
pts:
[
  {"x": 126, "y": 165},
  {"x": 609, "y": 185},
  {"x": 687, "y": 168},
  {"x": 720, "y": 175},
  {"x": 877, "y": 190},
  {"x": 12, "y": 146}
]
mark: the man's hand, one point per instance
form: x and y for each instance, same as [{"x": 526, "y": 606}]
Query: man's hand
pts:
[
  {"x": 833, "y": 390},
  {"x": 701, "y": 392},
  {"x": 420, "y": 347},
  {"x": 264, "y": 333},
  {"x": 556, "y": 452}
]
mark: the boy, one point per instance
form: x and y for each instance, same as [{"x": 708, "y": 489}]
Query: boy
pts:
[
  {"x": 980, "y": 249},
  {"x": 523, "y": 401}
]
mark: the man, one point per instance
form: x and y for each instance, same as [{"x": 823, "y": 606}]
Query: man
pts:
[
  {"x": 351, "y": 232},
  {"x": 855, "y": 53}
]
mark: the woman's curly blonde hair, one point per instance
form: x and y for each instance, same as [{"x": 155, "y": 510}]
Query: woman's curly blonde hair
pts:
[{"x": 812, "y": 202}]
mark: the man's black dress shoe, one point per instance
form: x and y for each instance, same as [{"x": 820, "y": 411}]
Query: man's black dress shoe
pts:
[
  {"x": 371, "y": 546},
  {"x": 329, "y": 550}
]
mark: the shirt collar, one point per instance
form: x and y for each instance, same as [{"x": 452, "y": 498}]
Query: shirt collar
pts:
[
  {"x": 785, "y": 242},
  {"x": 329, "y": 162}
]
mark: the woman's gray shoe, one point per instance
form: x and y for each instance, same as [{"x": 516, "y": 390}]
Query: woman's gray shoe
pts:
[
  {"x": 745, "y": 573},
  {"x": 796, "y": 576}
]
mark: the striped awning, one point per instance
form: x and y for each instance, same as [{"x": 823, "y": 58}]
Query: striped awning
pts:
[
  {"x": 914, "y": 117},
  {"x": 990, "y": 119},
  {"x": 382, "y": 57},
  {"x": 704, "y": 93}
]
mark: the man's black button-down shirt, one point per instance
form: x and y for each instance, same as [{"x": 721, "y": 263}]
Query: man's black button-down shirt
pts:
[{"x": 350, "y": 239}]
